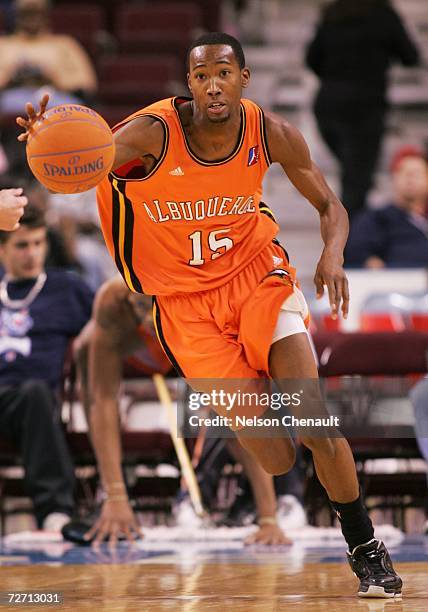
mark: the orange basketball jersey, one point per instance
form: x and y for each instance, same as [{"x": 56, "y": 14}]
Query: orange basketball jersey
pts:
[{"x": 189, "y": 225}]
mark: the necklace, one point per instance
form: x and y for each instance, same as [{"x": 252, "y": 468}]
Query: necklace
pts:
[{"x": 25, "y": 302}]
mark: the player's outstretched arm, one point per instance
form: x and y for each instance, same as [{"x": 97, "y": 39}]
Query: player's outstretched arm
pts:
[
  {"x": 105, "y": 355},
  {"x": 288, "y": 147},
  {"x": 140, "y": 137},
  {"x": 12, "y": 203}
]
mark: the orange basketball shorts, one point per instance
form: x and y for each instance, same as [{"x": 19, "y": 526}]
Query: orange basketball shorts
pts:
[{"x": 227, "y": 332}]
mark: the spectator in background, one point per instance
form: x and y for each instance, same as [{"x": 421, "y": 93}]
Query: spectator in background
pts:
[
  {"x": 32, "y": 57},
  {"x": 61, "y": 247},
  {"x": 354, "y": 46},
  {"x": 40, "y": 312},
  {"x": 74, "y": 237},
  {"x": 395, "y": 236}
]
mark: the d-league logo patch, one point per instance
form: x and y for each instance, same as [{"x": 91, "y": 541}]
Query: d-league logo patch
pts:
[{"x": 253, "y": 155}]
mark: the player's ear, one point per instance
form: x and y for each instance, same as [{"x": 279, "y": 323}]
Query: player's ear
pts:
[
  {"x": 188, "y": 82},
  {"x": 245, "y": 77}
]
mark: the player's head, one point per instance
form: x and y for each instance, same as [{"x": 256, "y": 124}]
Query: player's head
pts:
[
  {"x": 216, "y": 75},
  {"x": 409, "y": 170},
  {"x": 32, "y": 16},
  {"x": 23, "y": 252}
]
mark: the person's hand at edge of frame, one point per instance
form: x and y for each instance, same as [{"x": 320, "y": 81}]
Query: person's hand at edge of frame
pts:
[
  {"x": 32, "y": 117},
  {"x": 330, "y": 273},
  {"x": 117, "y": 517},
  {"x": 12, "y": 203}
]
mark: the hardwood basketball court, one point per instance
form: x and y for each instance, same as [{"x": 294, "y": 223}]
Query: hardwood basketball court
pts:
[{"x": 158, "y": 574}]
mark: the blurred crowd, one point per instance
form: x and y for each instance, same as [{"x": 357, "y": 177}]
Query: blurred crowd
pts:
[{"x": 59, "y": 242}]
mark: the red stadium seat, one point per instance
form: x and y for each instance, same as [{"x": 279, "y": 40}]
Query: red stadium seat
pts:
[
  {"x": 379, "y": 322},
  {"x": 419, "y": 321},
  {"x": 419, "y": 314},
  {"x": 372, "y": 354},
  {"x": 160, "y": 28},
  {"x": 136, "y": 80},
  {"x": 395, "y": 312},
  {"x": 81, "y": 22},
  {"x": 386, "y": 312},
  {"x": 321, "y": 319}
]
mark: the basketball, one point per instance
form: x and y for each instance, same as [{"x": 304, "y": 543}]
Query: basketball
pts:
[{"x": 70, "y": 149}]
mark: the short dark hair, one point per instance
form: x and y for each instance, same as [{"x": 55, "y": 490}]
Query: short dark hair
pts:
[
  {"x": 33, "y": 218},
  {"x": 219, "y": 38}
]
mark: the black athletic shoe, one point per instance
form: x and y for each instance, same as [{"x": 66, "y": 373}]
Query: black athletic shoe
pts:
[{"x": 371, "y": 563}]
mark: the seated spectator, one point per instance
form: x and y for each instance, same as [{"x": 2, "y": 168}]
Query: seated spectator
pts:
[
  {"x": 33, "y": 58},
  {"x": 122, "y": 326},
  {"x": 61, "y": 250},
  {"x": 395, "y": 236},
  {"x": 74, "y": 237},
  {"x": 40, "y": 312}
]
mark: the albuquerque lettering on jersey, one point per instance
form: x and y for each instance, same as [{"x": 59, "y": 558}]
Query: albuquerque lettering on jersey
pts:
[{"x": 216, "y": 206}]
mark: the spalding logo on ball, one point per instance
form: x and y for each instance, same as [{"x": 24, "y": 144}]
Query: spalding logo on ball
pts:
[{"x": 70, "y": 149}]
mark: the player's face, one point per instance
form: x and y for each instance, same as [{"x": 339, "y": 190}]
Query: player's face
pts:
[
  {"x": 411, "y": 179},
  {"x": 24, "y": 253},
  {"x": 215, "y": 81}
]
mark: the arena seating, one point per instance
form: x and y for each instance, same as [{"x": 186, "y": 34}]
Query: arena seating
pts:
[
  {"x": 355, "y": 361},
  {"x": 394, "y": 312},
  {"x": 147, "y": 448},
  {"x": 138, "y": 80},
  {"x": 84, "y": 23},
  {"x": 160, "y": 28},
  {"x": 210, "y": 11}
]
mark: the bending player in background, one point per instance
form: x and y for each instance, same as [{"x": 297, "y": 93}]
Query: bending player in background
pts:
[
  {"x": 183, "y": 219},
  {"x": 122, "y": 327},
  {"x": 12, "y": 202}
]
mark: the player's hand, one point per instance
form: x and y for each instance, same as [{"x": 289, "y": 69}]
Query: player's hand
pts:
[
  {"x": 32, "y": 117},
  {"x": 330, "y": 272},
  {"x": 269, "y": 535},
  {"x": 116, "y": 518},
  {"x": 12, "y": 203}
]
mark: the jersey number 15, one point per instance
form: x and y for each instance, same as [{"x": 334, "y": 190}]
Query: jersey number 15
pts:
[{"x": 217, "y": 245}]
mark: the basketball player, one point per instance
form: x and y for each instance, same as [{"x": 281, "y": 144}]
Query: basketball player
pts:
[
  {"x": 12, "y": 203},
  {"x": 122, "y": 327},
  {"x": 182, "y": 217}
]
